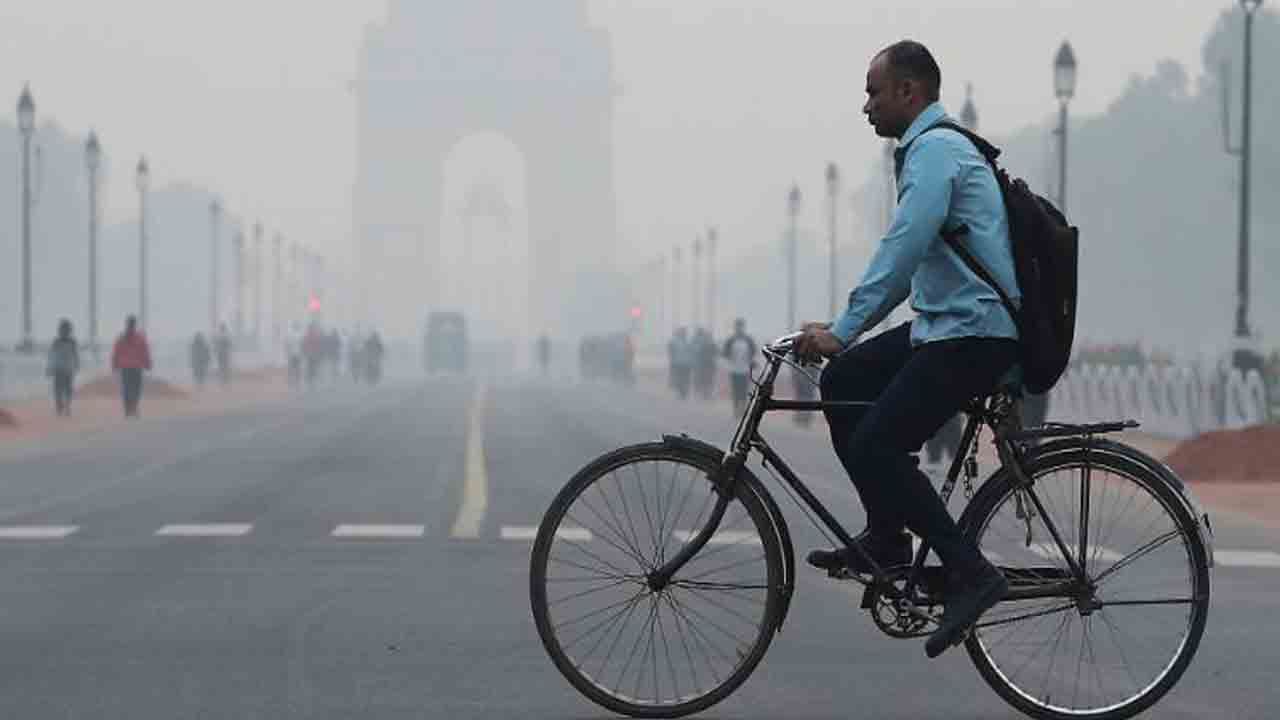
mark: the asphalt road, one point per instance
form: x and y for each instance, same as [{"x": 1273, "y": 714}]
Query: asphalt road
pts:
[{"x": 362, "y": 553}]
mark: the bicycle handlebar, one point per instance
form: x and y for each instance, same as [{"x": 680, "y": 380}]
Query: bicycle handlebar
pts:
[{"x": 783, "y": 345}]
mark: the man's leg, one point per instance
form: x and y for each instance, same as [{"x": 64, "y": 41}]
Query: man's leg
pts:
[
  {"x": 126, "y": 390},
  {"x": 861, "y": 373},
  {"x": 138, "y": 382},
  {"x": 935, "y": 383},
  {"x": 739, "y": 383}
]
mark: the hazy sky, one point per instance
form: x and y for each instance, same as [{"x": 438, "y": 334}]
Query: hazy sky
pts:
[{"x": 722, "y": 104}]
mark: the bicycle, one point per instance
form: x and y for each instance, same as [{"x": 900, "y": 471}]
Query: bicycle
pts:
[{"x": 733, "y": 559}]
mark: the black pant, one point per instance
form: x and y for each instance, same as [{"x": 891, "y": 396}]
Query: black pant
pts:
[
  {"x": 915, "y": 391},
  {"x": 738, "y": 384},
  {"x": 131, "y": 385},
  {"x": 62, "y": 389}
]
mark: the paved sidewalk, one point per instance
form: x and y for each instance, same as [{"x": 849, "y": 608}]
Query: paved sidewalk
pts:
[{"x": 98, "y": 407}]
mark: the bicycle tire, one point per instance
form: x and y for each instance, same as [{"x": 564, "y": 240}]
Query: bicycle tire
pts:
[
  {"x": 997, "y": 492},
  {"x": 748, "y": 502}
]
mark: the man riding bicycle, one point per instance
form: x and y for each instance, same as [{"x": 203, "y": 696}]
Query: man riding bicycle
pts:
[{"x": 921, "y": 373}]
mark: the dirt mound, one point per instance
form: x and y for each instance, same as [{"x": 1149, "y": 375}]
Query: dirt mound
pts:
[
  {"x": 109, "y": 386},
  {"x": 268, "y": 374},
  {"x": 1248, "y": 455},
  {"x": 7, "y": 420}
]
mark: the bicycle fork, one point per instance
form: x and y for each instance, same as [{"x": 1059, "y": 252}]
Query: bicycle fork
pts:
[{"x": 725, "y": 482}]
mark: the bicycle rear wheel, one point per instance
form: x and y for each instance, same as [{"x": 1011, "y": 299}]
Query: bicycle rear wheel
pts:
[
  {"x": 624, "y": 645},
  {"x": 1109, "y": 648}
]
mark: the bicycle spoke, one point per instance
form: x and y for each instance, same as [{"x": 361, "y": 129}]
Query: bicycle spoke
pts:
[
  {"x": 645, "y": 649},
  {"x": 584, "y": 593},
  {"x": 735, "y": 613},
  {"x": 630, "y": 541},
  {"x": 1132, "y": 557},
  {"x": 601, "y": 625},
  {"x": 1087, "y": 656}
]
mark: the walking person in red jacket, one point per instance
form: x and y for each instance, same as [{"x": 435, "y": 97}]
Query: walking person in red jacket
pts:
[{"x": 130, "y": 357}]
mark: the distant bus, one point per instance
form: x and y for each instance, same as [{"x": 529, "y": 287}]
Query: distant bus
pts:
[{"x": 445, "y": 344}]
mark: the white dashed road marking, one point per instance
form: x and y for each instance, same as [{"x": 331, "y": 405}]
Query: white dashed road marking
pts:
[
  {"x": 206, "y": 530},
  {"x": 36, "y": 532},
  {"x": 724, "y": 537},
  {"x": 524, "y": 532},
  {"x": 1247, "y": 558},
  {"x": 379, "y": 531}
]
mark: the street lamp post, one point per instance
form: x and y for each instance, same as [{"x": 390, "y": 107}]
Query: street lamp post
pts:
[
  {"x": 215, "y": 217},
  {"x": 1064, "y": 86},
  {"x": 793, "y": 213},
  {"x": 92, "y": 161},
  {"x": 712, "y": 240},
  {"x": 237, "y": 245},
  {"x": 257, "y": 283},
  {"x": 143, "y": 179},
  {"x": 695, "y": 298},
  {"x": 295, "y": 283},
  {"x": 660, "y": 317},
  {"x": 26, "y": 126},
  {"x": 675, "y": 288},
  {"x": 275, "y": 287},
  {"x": 1242, "y": 255},
  {"x": 969, "y": 113},
  {"x": 833, "y": 193}
]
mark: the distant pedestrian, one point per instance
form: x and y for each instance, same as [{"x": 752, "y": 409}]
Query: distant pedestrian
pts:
[
  {"x": 680, "y": 352},
  {"x": 544, "y": 354},
  {"x": 373, "y": 351},
  {"x": 704, "y": 362},
  {"x": 740, "y": 352},
  {"x": 64, "y": 363},
  {"x": 201, "y": 357},
  {"x": 131, "y": 357},
  {"x": 293, "y": 354},
  {"x": 313, "y": 352},
  {"x": 222, "y": 353}
]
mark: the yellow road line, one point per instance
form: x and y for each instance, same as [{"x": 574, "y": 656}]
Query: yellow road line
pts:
[{"x": 475, "y": 490}]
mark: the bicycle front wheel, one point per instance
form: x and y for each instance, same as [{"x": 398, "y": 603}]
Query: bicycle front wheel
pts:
[
  {"x": 1111, "y": 646},
  {"x": 631, "y": 648}
]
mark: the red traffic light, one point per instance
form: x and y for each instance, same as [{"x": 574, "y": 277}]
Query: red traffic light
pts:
[
  {"x": 636, "y": 312},
  {"x": 313, "y": 304}
]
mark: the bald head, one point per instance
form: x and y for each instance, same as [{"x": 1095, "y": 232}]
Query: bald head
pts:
[
  {"x": 902, "y": 81},
  {"x": 910, "y": 60}
]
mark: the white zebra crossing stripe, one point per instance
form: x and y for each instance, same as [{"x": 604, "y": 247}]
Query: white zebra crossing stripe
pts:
[
  {"x": 1247, "y": 558},
  {"x": 526, "y": 533},
  {"x": 379, "y": 531},
  {"x": 36, "y": 532},
  {"x": 206, "y": 530},
  {"x": 723, "y": 537}
]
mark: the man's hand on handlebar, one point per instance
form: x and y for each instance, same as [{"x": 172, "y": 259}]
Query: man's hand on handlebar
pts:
[{"x": 817, "y": 342}]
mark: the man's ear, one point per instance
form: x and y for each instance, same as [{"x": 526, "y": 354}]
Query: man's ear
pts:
[{"x": 908, "y": 88}]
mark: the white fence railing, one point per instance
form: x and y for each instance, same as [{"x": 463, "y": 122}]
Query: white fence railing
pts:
[{"x": 1171, "y": 401}]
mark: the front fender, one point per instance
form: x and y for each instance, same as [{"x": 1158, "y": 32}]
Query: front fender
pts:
[{"x": 715, "y": 454}]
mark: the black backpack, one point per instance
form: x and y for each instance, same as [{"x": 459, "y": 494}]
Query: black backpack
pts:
[{"x": 1046, "y": 253}]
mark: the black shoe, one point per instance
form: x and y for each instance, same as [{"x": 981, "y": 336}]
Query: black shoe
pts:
[
  {"x": 973, "y": 596},
  {"x": 887, "y": 552}
]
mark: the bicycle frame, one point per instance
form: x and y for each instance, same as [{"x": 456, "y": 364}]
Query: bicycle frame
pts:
[{"x": 999, "y": 413}]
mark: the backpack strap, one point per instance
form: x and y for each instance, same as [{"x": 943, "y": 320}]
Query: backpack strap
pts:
[
  {"x": 953, "y": 239},
  {"x": 989, "y": 153}
]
